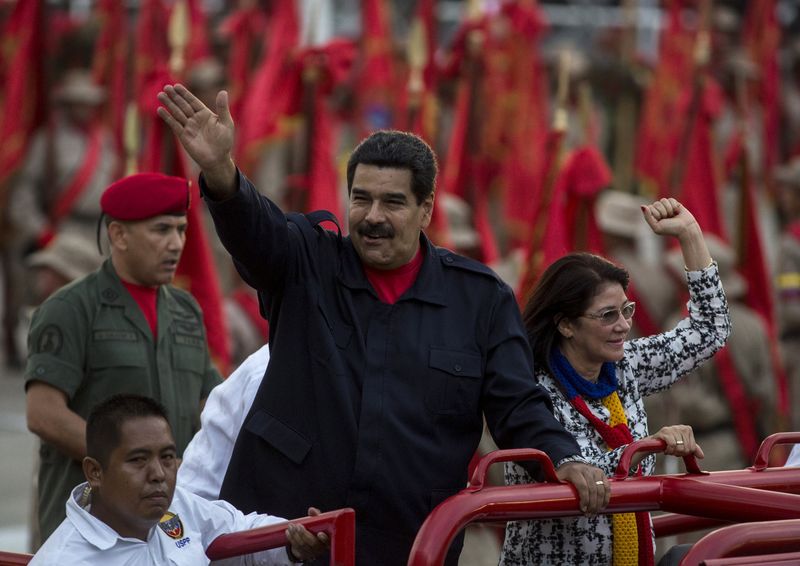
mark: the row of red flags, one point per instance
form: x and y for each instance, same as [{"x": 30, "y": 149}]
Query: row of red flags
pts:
[{"x": 501, "y": 147}]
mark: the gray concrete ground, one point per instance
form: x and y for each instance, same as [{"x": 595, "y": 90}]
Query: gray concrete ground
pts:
[{"x": 18, "y": 449}]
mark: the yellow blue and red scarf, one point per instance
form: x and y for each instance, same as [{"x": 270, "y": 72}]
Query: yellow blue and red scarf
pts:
[{"x": 632, "y": 539}]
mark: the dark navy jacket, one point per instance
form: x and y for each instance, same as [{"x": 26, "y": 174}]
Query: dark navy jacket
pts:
[{"x": 368, "y": 405}]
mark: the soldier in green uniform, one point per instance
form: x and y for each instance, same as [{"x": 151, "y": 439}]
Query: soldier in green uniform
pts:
[{"x": 121, "y": 329}]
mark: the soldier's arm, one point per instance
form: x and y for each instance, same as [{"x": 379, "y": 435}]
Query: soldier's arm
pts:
[{"x": 50, "y": 419}]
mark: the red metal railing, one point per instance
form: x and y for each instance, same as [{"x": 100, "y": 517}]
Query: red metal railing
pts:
[
  {"x": 14, "y": 558},
  {"x": 781, "y": 559},
  {"x": 340, "y": 526},
  {"x": 728, "y": 496},
  {"x": 672, "y": 524},
  {"x": 769, "y": 537}
]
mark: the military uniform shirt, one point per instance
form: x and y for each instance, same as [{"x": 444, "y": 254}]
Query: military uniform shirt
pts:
[{"x": 91, "y": 341}]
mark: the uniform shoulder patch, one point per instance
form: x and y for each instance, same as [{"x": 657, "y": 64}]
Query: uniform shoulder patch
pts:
[
  {"x": 50, "y": 340},
  {"x": 172, "y": 525}
]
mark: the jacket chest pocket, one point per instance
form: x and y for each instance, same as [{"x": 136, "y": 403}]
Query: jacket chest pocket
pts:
[
  {"x": 188, "y": 358},
  {"x": 454, "y": 382},
  {"x": 330, "y": 336},
  {"x": 117, "y": 366},
  {"x": 116, "y": 349}
]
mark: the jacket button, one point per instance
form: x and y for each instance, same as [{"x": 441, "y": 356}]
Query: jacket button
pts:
[
  {"x": 449, "y": 259},
  {"x": 457, "y": 367}
]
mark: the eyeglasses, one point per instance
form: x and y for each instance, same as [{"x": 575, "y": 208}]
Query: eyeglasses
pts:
[{"x": 610, "y": 316}]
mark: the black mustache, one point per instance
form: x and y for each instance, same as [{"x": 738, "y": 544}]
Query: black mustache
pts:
[{"x": 375, "y": 230}]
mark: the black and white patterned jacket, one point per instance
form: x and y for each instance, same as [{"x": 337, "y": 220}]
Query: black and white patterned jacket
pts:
[{"x": 650, "y": 365}]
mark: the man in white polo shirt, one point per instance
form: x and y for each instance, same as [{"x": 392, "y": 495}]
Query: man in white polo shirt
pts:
[{"x": 130, "y": 511}]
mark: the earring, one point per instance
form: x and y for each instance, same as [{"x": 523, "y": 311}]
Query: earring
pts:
[{"x": 86, "y": 496}]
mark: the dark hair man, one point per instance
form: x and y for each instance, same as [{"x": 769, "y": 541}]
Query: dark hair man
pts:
[
  {"x": 385, "y": 350},
  {"x": 129, "y": 510},
  {"x": 121, "y": 329}
]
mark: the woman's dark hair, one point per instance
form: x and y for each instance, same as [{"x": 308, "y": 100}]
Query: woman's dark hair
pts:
[
  {"x": 401, "y": 150},
  {"x": 565, "y": 290}
]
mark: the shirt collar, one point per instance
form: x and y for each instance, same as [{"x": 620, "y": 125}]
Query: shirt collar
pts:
[
  {"x": 95, "y": 531},
  {"x": 428, "y": 287}
]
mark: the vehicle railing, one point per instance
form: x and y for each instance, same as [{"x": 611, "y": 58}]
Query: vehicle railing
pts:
[
  {"x": 672, "y": 524},
  {"x": 728, "y": 497},
  {"x": 745, "y": 540},
  {"x": 339, "y": 524},
  {"x": 14, "y": 558}
]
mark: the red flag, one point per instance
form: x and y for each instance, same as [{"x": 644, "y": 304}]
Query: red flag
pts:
[
  {"x": 152, "y": 49},
  {"x": 523, "y": 90},
  {"x": 198, "y": 47},
  {"x": 110, "y": 65},
  {"x": 587, "y": 174},
  {"x": 700, "y": 186},
  {"x": 22, "y": 95},
  {"x": 762, "y": 38},
  {"x": 376, "y": 80},
  {"x": 548, "y": 216},
  {"x": 243, "y": 29},
  {"x": 659, "y": 130},
  {"x": 196, "y": 271},
  {"x": 419, "y": 97},
  {"x": 420, "y": 101},
  {"x": 275, "y": 91},
  {"x": 334, "y": 62},
  {"x": 466, "y": 172},
  {"x": 752, "y": 264}
]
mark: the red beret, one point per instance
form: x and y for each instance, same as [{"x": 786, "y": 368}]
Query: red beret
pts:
[{"x": 144, "y": 195}]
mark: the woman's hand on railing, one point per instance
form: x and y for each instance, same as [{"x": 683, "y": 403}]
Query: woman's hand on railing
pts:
[{"x": 679, "y": 441}]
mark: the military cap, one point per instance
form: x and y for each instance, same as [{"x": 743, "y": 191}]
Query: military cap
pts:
[
  {"x": 78, "y": 87},
  {"x": 70, "y": 255},
  {"x": 619, "y": 213},
  {"x": 144, "y": 195}
]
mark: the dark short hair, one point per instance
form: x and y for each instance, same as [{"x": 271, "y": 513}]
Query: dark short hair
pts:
[
  {"x": 401, "y": 150},
  {"x": 565, "y": 290},
  {"x": 106, "y": 419}
]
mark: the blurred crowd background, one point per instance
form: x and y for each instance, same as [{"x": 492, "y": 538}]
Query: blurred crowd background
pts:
[{"x": 553, "y": 121}]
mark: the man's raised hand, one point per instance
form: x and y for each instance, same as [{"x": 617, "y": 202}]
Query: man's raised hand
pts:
[{"x": 206, "y": 136}]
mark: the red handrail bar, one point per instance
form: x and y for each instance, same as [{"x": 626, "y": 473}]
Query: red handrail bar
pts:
[
  {"x": 746, "y": 539},
  {"x": 650, "y": 445},
  {"x": 761, "y": 460},
  {"x": 14, "y": 558},
  {"x": 339, "y": 524},
  {"x": 681, "y": 493},
  {"x": 780, "y": 559},
  {"x": 671, "y": 524}
]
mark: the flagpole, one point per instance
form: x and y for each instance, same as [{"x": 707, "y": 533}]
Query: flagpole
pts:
[
  {"x": 625, "y": 117},
  {"x": 302, "y": 152},
  {"x": 702, "y": 54},
  {"x": 552, "y": 165},
  {"x": 417, "y": 56}
]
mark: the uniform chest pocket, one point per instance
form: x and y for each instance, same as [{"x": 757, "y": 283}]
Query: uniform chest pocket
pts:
[
  {"x": 454, "y": 382},
  {"x": 117, "y": 366},
  {"x": 188, "y": 358},
  {"x": 122, "y": 349}
]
